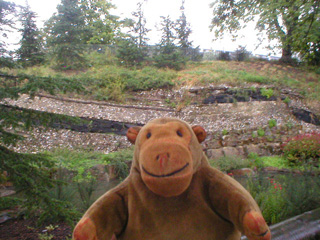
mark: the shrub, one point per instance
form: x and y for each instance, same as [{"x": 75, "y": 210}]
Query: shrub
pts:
[
  {"x": 272, "y": 123},
  {"x": 287, "y": 100},
  {"x": 303, "y": 149},
  {"x": 224, "y": 56},
  {"x": 241, "y": 54},
  {"x": 260, "y": 132},
  {"x": 279, "y": 197},
  {"x": 228, "y": 163},
  {"x": 170, "y": 57},
  {"x": 255, "y": 161},
  {"x": 270, "y": 199},
  {"x": 268, "y": 93},
  {"x": 225, "y": 132},
  {"x": 120, "y": 160}
]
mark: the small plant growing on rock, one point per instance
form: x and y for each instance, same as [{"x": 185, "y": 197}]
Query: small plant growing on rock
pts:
[
  {"x": 272, "y": 123},
  {"x": 225, "y": 132},
  {"x": 266, "y": 92},
  {"x": 287, "y": 100},
  {"x": 260, "y": 132}
]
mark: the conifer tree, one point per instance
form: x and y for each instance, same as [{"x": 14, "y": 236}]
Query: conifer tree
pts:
[
  {"x": 66, "y": 34},
  {"x": 30, "y": 52},
  {"x": 168, "y": 55},
  {"x": 133, "y": 49},
  {"x": 183, "y": 31},
  {"x": 7, "y": 12}
]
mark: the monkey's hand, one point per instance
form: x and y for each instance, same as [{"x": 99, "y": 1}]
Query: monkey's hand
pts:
[{"x": 255, "y": 227}]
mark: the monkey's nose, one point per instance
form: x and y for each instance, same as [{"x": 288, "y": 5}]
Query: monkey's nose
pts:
[{"x": 163, "y": 158}]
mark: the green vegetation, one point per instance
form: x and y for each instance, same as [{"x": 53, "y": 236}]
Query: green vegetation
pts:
[
  {"x": 272, "y": 123},
  {"x": 268, "y": 93},
  {"x": 260, "y": 132},
  {"x": 279, "y": 197},
  {"x": 303, "y": 150},
  {"x": 282, "y": 21},
  {"x": 121, "y": 161},
  {"x": 225, "y": 132},
  {"x": 229, "y": 163}
]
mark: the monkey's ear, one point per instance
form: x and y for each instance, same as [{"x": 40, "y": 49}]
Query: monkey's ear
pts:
[
  {"x": 132, "y": 134},
  {"x": 200, "y": 133}
]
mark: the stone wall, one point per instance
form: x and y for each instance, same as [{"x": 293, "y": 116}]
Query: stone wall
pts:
[{"x": 263, "y": 141}]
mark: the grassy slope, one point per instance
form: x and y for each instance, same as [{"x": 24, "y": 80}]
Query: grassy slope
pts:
[{"x": 111, "y": 82}]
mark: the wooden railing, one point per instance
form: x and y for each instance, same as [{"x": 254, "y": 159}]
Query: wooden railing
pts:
[{"x": 304, "y": 226}]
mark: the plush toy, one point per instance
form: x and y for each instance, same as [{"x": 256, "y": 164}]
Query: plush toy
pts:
[{"x": 172, "y": 193}]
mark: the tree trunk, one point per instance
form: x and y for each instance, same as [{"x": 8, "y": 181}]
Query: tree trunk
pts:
[{"x": 286, "y": 54}]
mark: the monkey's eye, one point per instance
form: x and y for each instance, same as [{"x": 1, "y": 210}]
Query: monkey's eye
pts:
[
  {"x": 179, "y": 133},
  {"x": 148, "y": 135}
]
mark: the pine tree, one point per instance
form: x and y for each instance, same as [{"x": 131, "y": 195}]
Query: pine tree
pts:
[
  {"x": 67, "y": 35},
  {"x": 133, "y": 49},
  {"x": 169, "y": 55},
  {"x": 7, "y": 10},
  {"x": 184, "y": 31},
  {"x": 30, "y": 52},
  {"x": 139, "y": 30}
]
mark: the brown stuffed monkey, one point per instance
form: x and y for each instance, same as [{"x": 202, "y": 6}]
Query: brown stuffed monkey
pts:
[{"x": 172, "y": 193}]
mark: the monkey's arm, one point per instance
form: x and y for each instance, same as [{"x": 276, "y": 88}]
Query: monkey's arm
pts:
[
  {"x": 233, "y": 203},
  {"x": 105, "y": 218}
]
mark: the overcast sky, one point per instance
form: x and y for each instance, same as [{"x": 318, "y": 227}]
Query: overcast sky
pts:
[{"x": 198, "y": 14}]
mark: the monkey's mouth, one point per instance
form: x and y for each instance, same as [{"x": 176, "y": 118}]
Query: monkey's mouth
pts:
[{"x": 165, "y": 175}]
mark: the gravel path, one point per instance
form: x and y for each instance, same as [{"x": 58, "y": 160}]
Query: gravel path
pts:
[{"x": 214, "y": 118}]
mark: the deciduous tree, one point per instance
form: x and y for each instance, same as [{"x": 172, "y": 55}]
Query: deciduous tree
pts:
[{"x": 290, "y": 22}]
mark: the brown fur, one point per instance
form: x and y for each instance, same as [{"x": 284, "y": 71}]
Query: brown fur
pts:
[{"x": 172, "y": 193}]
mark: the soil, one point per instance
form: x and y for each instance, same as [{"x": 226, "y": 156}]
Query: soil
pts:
[{"x": 26, "y": 229}]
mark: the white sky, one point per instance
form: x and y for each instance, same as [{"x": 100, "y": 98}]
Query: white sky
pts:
[{"x": 198, "y": 14}]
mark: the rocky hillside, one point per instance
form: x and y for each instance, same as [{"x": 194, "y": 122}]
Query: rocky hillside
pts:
[{"x": 238, "y": 120}]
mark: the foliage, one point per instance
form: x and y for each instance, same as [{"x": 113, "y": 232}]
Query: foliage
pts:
[
  {"x": 183, "y": 31},
  {"x": 31, "y": 175},
  {"x": 292, "y": 23},
  {"x": 279, "y": 197},
  {"x": 287, "y": 100},
  {"x": 229, "y": 163},
  {"x": 255, "y": 160},
  {"x": 224, "y": 56},
  {"x": 169, "y": 55},
  {"x": 225, "y": 132},
  {"x": 241, "y": 54},
  {"x": 73, "y": 172},
  {"x": 129, "y": 54},
  {"x": 139, "y": 30},
  {"x": 113, "y": 78},
  {"x": 120, "y": 160},
  {"x": 7, "y": 12},
  {"x": 9, "y": 202},
  {"x": 267, "y": 161},
  {"x": 266, "y": 92},
  {"x": 303, "y": 149},
  {"x": 272, "y": 123},
  {"x": 101, "y": 26},
  {"x": 261, "y": 132},
  {"x": 66, "y": 35},
  {"x": 30, "y": 52}
]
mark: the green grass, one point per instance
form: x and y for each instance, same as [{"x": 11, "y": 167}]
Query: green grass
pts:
[{"x": 107, "y": 81}]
